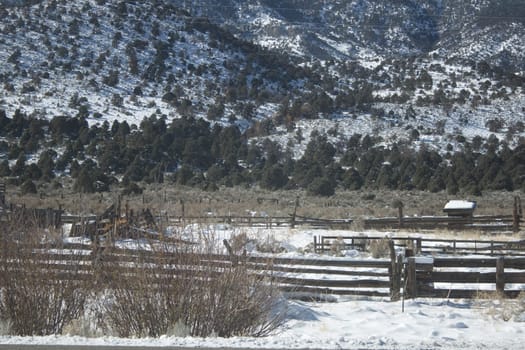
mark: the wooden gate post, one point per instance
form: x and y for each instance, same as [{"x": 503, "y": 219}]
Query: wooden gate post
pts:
[
  {"x": 418, "y": 245},
  {"x": 411, "y": 283},
  {"x": 395, "y": 273},
  {"x": 500, "y": 275},
  {"x": 399, "y": 205}
]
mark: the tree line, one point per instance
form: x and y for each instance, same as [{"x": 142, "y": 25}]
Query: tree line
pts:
[{"x": 194, "y": 152}]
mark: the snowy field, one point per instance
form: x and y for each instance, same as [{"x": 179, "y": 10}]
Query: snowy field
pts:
[{"x": 351, "y": 322}]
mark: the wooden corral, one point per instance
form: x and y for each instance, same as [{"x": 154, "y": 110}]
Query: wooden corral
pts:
[
  {"x": 424, "y": 245},
  {"x": 444, "y": 277},
  {"x": 298, "y": 278},
  {"x": 114, "y": 223},
  {"x": 34, "y": 217},
  {"x": 459, "y": 218},
  {"x": 316, "y": 278},
  {"x": 447, "y": 277}
]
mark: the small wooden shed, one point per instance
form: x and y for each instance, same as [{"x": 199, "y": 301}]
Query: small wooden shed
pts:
[{"x": 460, "y": 208}]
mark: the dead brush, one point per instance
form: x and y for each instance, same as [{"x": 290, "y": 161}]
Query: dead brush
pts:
[
  {"x": 379, "y": 248},
  {"x": 239, "y": 241},
  {"x": 38, "y": 295},
  {"x": 497, "y": 306},
  {"x": 159, "y": 292},
  {"x": 337, "y": 247},
  {"x": 269, "y": 245}
]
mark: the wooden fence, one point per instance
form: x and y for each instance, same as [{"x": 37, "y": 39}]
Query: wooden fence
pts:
[
  {"x": 31, "y": 217},
  {"x": 482, "y": 223},
  {"x": 2, "y": 194},
  {"x": 296, "y": 277},
  {"x": 424, "y": 245},
  {"x": 464, "y": 277},
  {"x": 485, "y": 223},
  {"x": 447, "y": 277},
  {"x": 237, "y": 221}
]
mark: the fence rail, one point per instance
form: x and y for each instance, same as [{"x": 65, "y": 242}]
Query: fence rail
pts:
[
  {"x": 298, "y": 277},
  {"x": 482, "y": 223},
  {"x": 423, "y": 245},
  {"x": 448, "y": 278},
  {"x": 441, "y": 277}
]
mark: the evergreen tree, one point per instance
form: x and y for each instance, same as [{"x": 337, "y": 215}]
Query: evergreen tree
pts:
[
  {"x": 4, "y": 169},
  {"x": 47, "y": 164},
  {"x": 321, "y": 186},
  {"x": 274, "y": 177},
  {"x": 28, "y": 187},
  {"x": 452, "y": 185},
  {"x": 352, "y": 180},
  {"x": 386, "y": 177},
  {"x": 20, "y": 165},
  {"x": 85, "y": 181},
  {"x": 184, "y": 175}
]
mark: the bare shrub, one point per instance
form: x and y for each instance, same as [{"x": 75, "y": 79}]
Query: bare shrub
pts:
[
  {"x": 499, "y": 307},
  {"x": 379, "y": 248},
  {"x": 38, "y": 295},
  {"x": 234, "y": 304},
  {"x": 238, "y": 242},
  {"x": 188, "y": 293},
  {"x": 337, "y": 247},
  {"x": 269, "y": 245},
  {"x": 88, "y": 325},
  {"x": 5, "y": 326}
]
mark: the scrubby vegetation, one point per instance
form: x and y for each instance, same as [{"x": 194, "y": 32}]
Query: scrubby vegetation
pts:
[
  {"x": 146, "y": 295},
  {"x": 193, "y": 152}
]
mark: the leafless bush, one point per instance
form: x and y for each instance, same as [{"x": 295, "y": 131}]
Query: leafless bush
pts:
[
  {"x": 337, "y": 246},
  {"x": 238, "y": 242},
  {"x": 269, "y": 245},
  {"x": 38, "y": 295},
  {"x": 379, "y": 248},
  {"x": 5, "y": 327},
  {"x": 166, "y": 293},
  {"x": 496, "y": 306}
]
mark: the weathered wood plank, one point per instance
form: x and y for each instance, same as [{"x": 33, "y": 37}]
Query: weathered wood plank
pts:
[
  {"x": 463, "y": 277},
  {"x": 331, "y": 291}
]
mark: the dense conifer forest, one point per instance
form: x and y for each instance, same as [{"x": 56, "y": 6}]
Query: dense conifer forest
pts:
[{"x": 192, "y": 152}]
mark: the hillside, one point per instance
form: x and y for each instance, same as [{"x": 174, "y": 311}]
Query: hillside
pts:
[{"x": 445, "y": 77}]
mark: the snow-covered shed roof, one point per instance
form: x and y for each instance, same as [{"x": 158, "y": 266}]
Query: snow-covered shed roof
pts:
[
  {"x": 460, "y": 205},
  {"x": 460, "y": 208}
]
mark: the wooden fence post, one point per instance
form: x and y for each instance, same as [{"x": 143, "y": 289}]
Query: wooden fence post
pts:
[
  {"x": 500, "y": 275},
  {"x": 411, "y": 284},
  {"x": 233, "y": 258},
  {"x": 292, "y": 223},
  {"x": 395, "y": 273},
  {"x": 182, "y": 209},
  {"x": 315, "y": 244},
  {"x": 516, "y": 214}
]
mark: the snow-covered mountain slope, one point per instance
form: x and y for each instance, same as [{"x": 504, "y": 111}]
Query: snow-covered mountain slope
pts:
[
  {"x": 352, "y": 29},
  {"x": 125, "y": 61},
  {"x": 430, "y": 72}
]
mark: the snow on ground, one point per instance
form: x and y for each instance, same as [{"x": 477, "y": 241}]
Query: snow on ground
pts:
[
  {"x": 353, "y": 324},
  {"x": 347, "y": 322}
]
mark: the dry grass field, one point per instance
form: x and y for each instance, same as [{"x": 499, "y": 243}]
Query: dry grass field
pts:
[{"x": 172, "y": 200}]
